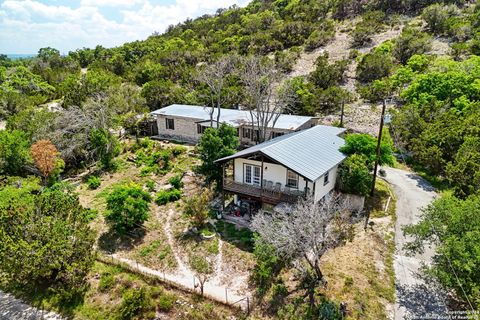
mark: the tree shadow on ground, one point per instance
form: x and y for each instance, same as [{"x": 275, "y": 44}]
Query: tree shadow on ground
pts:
[
  {"x": 421, "y": 183},
  {"x": 113, "y": 241},
  {"x": 421, "y": 301},
  {"x": 240, "y": 237}
]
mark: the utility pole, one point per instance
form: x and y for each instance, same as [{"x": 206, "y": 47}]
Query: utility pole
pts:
[
  {"x": 378, "y": 147},
  {"x": 341, "y": 115}
]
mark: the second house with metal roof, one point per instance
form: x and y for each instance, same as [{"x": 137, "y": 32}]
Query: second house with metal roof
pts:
[{"x": 187, "y": 123}]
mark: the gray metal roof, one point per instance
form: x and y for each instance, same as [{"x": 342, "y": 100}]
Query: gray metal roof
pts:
[
  {"x": 310, "y": 153},
  {"x": 233, "y": 117}
]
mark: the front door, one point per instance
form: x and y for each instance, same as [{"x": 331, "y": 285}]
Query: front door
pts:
[{"x": 252, "y": 175}]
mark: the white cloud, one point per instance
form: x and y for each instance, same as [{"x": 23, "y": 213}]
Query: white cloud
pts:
[{"x": 26, "y": 26}]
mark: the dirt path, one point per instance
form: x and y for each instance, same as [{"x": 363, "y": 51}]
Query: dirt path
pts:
[
  {"x": 415, "y": 298},
  {"x": 185, "y": 277},
  {"x": 12, "y": 308}
]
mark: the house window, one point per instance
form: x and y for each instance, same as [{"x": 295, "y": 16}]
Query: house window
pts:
[
  {"x": 169, "y": 124},
  {"x": 326, "y": 179},
  {"x": 292, "y": 179},
  {"x": 201, "y": 129},
  {"x": 252, "y": 175},
  {"x": 256, "y": 135},
  {"x": 277, "y": 134},
  {"x": 247, "y": 133}
]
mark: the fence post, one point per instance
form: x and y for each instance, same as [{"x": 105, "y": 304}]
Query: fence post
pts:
[
  {"x": 248, "y": 306},
  {"x": 193, "y": 284},
  {"x": 226, "y": 296}
]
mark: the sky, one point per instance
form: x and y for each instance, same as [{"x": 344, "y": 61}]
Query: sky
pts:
[{"x": 28, "y": 25}]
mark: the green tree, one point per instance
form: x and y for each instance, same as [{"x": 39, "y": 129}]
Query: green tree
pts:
[
  {"x": 452, "y": 226},
  {"x": 374, "y": 66},
  {"x": 215, "y": 144},
  {"x": 464, "y": 171},
  {"x": 45, "y": 236},
  {"x": 197, "y": 207},
  {"x": 327, "y": 74},
  {"x": 354, "y": 174},
  {"x": 366, "y": 145},
  {"x": 14, "y": 152},
  {"x": 411, "y": 41},
  {"x": 105, "y": 146},
  {"x": 127, "y": 207}
]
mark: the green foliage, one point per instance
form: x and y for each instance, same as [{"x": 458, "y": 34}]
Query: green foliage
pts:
[
  {"x": 134, "y": 303},
  {"x": 268, "y": 265},
  {"x": 106, "y": 146},
  {"x": 107, "y": 281},
  {"x": 47, "y": 242},
  {"x": 127, "y": 207},
  {"x": 374, "y": 66},
  {"x": 166, "y": 302},
  {"x": 165, "y": 196},
  {"x": 154, "y": 158},
  {"x": 176, "y": 182},
  {"x": 326, "y": 74},
  {"x": 453, "y": 226},
  {"x": 410, "y": 42},
  {"x": 354, "y": 175},
  {"x": 371, "y": 23},
  {"x": 93, "y": 182},
  {"x": 464, "y": 171},
  {"x": 14, "y": 152},
  {"x": 320, "y": 36},
  {"x": 366, "y": 145},
  {"x": 197, "y": 207},
  {"x": 215, "y": 144}
]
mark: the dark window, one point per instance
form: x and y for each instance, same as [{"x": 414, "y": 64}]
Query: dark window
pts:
[
  {"x": 326, "y": 179},
  {"x": 201, "y": 129},
  {"x": 277, "y": 134},
  {"x": 246, "y": 133},
  {"x": 169, "y": 123},
  {"x": 292, "y": 179},
  {"x": 256, "y": 135}
]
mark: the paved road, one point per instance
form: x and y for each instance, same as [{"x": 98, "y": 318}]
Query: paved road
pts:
[
  {"x": 415, "y": 299},
  {"x": 15, "y": 309}
]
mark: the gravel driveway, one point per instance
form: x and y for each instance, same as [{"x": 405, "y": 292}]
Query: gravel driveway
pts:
[
  {"x": 415, "y": 298},
  {"x": 15, "y": 309}
]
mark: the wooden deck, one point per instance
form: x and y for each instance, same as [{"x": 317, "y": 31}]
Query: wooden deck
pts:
[{"x": 262, "y": 194}]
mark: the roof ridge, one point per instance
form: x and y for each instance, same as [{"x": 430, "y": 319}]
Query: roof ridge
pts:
[{"x": 295, "y": 134}]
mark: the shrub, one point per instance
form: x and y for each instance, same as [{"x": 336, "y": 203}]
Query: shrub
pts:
[
  {"x": 127, "y": 206},
  {"x": 374, "y": 66},
  {"x": 150, "y": 184},
  {"x": 166, "y": 196},
  {"x": 134, "y": 303},
  {"x": 355, "y": 176},
  {"x": 176, "y": 182},
  {"x": 107, "y": 281},
  {"x": 268, "y": 265},
  {"x": 178, "y": 150},
  {"x": 93, "y": 182},
  {"x": 166, "y": 301},
  {"x": 411, "y": 41},
  {"x": 197, "y": 207},
  {"x": 321, "y": 36}
]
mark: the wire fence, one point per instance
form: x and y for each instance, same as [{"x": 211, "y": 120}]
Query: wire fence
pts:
[{"x": 245, "y": 304}]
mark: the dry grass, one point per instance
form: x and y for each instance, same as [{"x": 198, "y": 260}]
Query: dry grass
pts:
[{"x": 361, "y": 273}]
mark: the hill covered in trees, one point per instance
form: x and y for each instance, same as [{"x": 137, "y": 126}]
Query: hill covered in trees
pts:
[{"x": 75, "y": 101}]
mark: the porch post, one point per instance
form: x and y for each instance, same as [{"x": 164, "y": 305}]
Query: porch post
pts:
[{"x": 261, "y": 175}]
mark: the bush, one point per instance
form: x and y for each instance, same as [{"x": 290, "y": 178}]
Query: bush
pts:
[
  {"x": 354, "y": 175},
  {"x": 176, "y": 182},
  {"x": 374, "y": 66},
  {"x": 127, "y": 206},
  {"x": 134, "y": 303},
  {"x": 166, "y": 301},
  {"x": 166, "y": 196},
  {"x": 107, "y": 281},
  {"x": 178, "y": 150},
  {"x": 150, "y": 185},
  {"x": 321, "y": 36},
  {"x": 93, "y": 182},
  {"x": 268, "y": 265},
  {"x": 411, "y": 41}
]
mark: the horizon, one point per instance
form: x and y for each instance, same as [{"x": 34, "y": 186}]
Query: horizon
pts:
[{"x": 27, "y": 26}]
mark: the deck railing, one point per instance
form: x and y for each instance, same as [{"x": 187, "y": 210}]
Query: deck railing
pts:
[{"x": 273, "y": 195}]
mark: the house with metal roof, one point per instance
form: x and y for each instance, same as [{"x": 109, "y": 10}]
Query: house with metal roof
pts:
[
  {"x": 187, "y": 123},
  {"x": 285, "y": 168}
]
